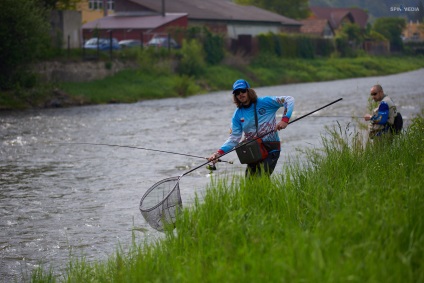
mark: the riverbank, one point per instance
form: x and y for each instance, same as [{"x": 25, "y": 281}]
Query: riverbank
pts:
[
  {"x": 156, "y": 82},
  {"x": 345, "y": 217}
]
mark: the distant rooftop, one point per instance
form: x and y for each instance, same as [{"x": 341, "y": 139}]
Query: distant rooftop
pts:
[
  {"x": 135, "y": 21},
  {"x": 217, "y": 10}
]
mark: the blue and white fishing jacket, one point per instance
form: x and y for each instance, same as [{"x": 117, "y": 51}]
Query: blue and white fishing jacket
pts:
[
  {"x": 243, "y": 121},
  {"x": 382, "y": 117}
]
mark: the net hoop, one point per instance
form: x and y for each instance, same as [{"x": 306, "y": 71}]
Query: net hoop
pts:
[{"x": 161, "y": 202}]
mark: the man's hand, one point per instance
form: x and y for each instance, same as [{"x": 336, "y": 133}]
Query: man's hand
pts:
[
  {"x": 214, "y": 157},
  {"x": 281, "y": 125},
  {"x": 367, "y": 117}
]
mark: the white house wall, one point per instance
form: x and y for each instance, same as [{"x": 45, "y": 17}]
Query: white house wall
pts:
[{"x": 72, "y": 28}]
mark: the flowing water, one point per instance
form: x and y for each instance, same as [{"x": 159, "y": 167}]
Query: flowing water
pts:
[{"x": 59, "y": 200}]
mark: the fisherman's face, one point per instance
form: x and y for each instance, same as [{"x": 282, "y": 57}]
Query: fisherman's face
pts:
[
  {"x": 242, "y": 96},
  {"x": 376, "y": 95}
]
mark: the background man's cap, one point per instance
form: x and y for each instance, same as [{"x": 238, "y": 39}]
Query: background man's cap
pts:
[{"x": 240, "y": 84}]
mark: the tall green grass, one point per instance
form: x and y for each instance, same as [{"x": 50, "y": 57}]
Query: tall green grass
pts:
[
  {"x": 154, "y": 81},
  {"x": 159, "y": 77},
  {"x": 353, "y": 214}
]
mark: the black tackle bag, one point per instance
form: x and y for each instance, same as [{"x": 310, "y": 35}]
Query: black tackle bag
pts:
[{"x": 397, "y": 124}]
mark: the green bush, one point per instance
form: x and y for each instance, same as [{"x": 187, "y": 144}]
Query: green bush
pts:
[
  {"x": 185, "y": 86},
  {"x": 213, "y": 46},
  {"x": 294, "y": 46},
  {"x": 156, "y": 60},
  {"x": 191, "y": 59},
  {"x": 391, "y": 28},
  {"x": 24, "y": 33},
  {"x": 343, "y": 48}
]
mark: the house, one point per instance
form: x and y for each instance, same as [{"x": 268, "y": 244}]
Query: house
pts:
[
  {"x": 413, "y": 32},
  {"x": 337, "y": 17},
  {"x": 317, "y": 27},
  {"x": 92, "y": 10},
  {"x": 220, "y": 16},
  {"x": 133, "y": 26}
]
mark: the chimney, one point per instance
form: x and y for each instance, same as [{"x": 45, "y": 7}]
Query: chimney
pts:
[{"x": 163, "y": 8}]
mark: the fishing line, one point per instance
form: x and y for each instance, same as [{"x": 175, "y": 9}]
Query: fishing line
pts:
[
  {"x": 163, "y": 213},
  {"x": 149, "y": 149}
]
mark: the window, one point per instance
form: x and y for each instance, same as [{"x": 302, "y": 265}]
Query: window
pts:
[{"x": 98, "y": 4}]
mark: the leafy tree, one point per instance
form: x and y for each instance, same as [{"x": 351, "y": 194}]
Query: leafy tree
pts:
[
  {"x": 391, "y": 28},
  {"x": 60, "y": 4},
  {"x": 354, "y": 34},
  {"x": 24, "y": 33},
  {"x": 192, "y": 62},
  {"x": 297, "y": 9},
  {"x": 213, "y": 46}
]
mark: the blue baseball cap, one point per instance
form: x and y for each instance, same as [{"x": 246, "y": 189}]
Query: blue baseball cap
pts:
[{"x": 240, "y": 84}]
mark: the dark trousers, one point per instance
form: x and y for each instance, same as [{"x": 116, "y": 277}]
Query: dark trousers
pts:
[{"x": 265, "y": 166}]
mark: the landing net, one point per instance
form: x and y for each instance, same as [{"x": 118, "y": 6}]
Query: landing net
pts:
[{"x": 160, "y": 204}]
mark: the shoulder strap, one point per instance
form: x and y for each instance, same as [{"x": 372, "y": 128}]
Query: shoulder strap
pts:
[{"x": 256, "y": 119}]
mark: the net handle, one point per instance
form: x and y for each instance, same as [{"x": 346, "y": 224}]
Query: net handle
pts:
[{"x": 267, "y": 133}]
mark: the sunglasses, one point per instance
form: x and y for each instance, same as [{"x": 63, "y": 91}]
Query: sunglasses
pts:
[
  {"x": 374, "y": 93},
  {"x": 240, "y": 90}
]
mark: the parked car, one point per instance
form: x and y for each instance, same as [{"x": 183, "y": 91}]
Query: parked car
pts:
[
  {"x": 163, "y": 41},
  {"x": 102, "y": 43},
  {"x": 128, "y": 43}
]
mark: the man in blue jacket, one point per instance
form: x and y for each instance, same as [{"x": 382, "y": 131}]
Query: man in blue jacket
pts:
[
  {"x": 244, "y": 121},
  {"x": 382, "y": 117}
]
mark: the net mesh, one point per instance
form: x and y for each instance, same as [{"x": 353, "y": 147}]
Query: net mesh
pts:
[{"x": 160, "y": 204}]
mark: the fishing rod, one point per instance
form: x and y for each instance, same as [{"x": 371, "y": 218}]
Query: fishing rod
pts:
[
  {"x": 335, "y": 116},
  {"x": 340, "y": 116},
  {"x": 149, "y": 149},
  {"x": 297, "y": 119},
  {"x": 267, "y": 133}
]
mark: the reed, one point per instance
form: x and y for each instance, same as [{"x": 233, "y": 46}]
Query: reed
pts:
[{"x": 354, "y": 213}]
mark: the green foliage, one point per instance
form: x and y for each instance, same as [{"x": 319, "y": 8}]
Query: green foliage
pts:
[
  {"x": 217, "y": 77},
  {"x": 344, "y": 216},
  {"x": 297, "y": 9},
  {"x": 391, "y": 28},
  {"x": 376, "y": 36},
  {"x": 155, "y": 60},
  {"x": 213, "y": 45},
  {"x": 349, "y": 40},
  {"x": 343, "y": 47},
  {"x": 353, "y": 33},
  {"x": 126, "y": 86},
  {"x": 191, "y": 60},
  {"x": 24, "y": 33},
  {"x": 156, "y": 80},
  {"x": 59, "y": 4},
  {"x": 185, "y": 86},
  {"x": 414, "y": 47},
  {"x": 324, "y": 47},
  {"x": 294, "y": 46}
]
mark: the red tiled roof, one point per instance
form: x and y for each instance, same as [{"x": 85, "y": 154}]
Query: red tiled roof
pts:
[
  {"x": 336, "y": 15},
  {"x": 314, "y": 26}
]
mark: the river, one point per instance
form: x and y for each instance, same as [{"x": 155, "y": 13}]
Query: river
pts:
[{"x": 59, "y": 200}]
